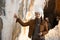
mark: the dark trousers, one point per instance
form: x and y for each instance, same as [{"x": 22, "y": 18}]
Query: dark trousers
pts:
[{"x": 38, "y": 38}]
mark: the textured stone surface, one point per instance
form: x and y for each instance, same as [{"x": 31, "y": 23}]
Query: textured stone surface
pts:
[{"x": 1, "y": 24}]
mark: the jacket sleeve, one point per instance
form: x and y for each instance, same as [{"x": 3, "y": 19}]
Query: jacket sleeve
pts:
[
  {"x": 21, "y": 22},
  {"x": 46, "y": 29}
]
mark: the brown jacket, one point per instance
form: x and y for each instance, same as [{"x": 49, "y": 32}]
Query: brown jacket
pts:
[{"x": 31, "y": 24}]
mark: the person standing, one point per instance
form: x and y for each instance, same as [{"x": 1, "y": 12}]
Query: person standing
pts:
[{"x": 35, "y": 30}]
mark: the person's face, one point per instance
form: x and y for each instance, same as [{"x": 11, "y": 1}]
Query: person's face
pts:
[{"x": 37, "y": 14}]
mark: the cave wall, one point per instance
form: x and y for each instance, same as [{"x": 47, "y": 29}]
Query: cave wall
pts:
[
  {"x": 57, "y": 8},
  {"x": 49, "y": 11},
  {"x": 53, "y": 8}
]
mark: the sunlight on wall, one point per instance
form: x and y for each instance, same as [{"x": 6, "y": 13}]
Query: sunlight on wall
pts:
[
  {"x": 54, "y": 34},
  {"x": 8, "y": 20}
]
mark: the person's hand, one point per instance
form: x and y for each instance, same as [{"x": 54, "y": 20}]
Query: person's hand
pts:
[
  {"x": 40, "y": 33},
  {"x": 15, "y": 16}
]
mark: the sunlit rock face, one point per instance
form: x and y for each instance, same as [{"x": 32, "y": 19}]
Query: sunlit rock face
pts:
[
  {"x": 54, "y": 34},
  {"x": 40, "y": 3},
  {"x": 11, "y": 7}
]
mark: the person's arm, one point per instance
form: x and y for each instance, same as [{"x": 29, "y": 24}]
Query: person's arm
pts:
[
  {"x": 21, "y": 22},
  {"x": 46, "y": 29}
]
